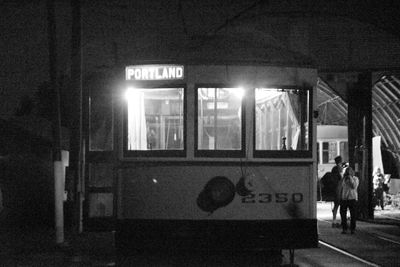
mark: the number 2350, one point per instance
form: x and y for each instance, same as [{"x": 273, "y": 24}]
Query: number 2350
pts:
[{"x": 268, "y": 198}]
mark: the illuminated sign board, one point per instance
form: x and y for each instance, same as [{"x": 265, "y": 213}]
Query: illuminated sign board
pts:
[{"x": 154, "y": 72}]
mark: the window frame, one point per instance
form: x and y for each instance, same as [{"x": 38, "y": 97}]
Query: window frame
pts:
[
  {"x": 156, "y": 153},
  {"x": 257, "y": 153},
  {"x": 220, "y": 153},
  {"x": 89, "y": 116},
  {"x": 325, "y": 151}
]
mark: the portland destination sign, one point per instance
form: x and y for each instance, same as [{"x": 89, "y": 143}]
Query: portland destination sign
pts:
[{"x": 154, "y": 72}]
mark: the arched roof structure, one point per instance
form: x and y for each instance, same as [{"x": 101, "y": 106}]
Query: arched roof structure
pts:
[
  {"x": 385, "y": 109},
  {"x": 332, "y": 109}
]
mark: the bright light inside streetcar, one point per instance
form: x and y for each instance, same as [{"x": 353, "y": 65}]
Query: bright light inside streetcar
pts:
[
  {"x": 239, "y": 92},
  {"x": 131, "y": 93}
]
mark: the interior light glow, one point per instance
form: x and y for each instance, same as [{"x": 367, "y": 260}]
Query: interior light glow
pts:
[
  {"x": 239, "y": 92},
  {"x": 263, "y": 94},
  {"x": 131, "y": 93}
]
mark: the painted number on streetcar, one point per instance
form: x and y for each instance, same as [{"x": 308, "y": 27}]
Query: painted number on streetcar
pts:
[{"x": 268, "y": 198}]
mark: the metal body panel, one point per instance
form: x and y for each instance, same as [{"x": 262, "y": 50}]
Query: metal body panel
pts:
[{"x": 173, "y": 192}]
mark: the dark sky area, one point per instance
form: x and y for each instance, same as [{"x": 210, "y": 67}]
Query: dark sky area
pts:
[
  {"x": 123, "y": 30},
  {"x": 21, "y": 34},
  {"x": 24, "y": 50},
  {"x": 110, "y": 30}
]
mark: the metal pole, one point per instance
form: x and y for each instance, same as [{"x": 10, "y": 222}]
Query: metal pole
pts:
[
  {"x": 76, "y": 129},
  {"x": 58, "y": 165}
]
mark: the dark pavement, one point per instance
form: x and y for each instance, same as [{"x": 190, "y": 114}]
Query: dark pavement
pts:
[
  {"x": 23, "y": 247},
  {"x": 376, "y": 240},
  {"x": 27, "y": 247}
]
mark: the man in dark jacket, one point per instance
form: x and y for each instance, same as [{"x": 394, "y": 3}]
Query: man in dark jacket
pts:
[{"x": 336, "y": 175}]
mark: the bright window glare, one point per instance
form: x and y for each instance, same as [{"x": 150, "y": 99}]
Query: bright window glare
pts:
[
  {"x": 131, "y": 93},
  {"x": 263, "y": 94},
  {"x": 238, "y": 92}
]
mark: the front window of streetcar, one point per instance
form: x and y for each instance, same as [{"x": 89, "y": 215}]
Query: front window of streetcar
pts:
[
  {"x": 281, "y": 119},
  {"x": 155, "y": 120},
  {"x": 219, "y": 119}
]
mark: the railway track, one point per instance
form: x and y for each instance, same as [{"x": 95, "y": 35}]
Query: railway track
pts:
[
  {"x": 325, "y": 256},
  {"x": 348, "y": 254},
  {"x": 373, "y": 244}
]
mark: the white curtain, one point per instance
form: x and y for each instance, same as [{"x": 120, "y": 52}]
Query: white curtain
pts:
[
  {"x": 137, "y": 133},
  {"x": 295, "y": 134},
  {"x": 376, "y": 154}
]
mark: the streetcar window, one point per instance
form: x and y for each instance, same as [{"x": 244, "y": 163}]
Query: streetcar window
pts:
[
  {"x": 344, "y": 150},
  {"x": 281, "y": 119},
  {"x": 333, "y": 151},
  {"x": 325, "y": 152},
  {"x": 219, "y": 119},
  {"x": 101, "y": 205},
  {"x": 155, "y": 120},
  {"x": 100, "y": 122},
  {"x": 329, "y": 152}
]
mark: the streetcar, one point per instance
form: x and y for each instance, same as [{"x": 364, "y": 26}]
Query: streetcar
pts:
[
  {"x": 210, "y": 157},
  {"x": 210, "y": 146},
  {"x": 331, "y": 142}
]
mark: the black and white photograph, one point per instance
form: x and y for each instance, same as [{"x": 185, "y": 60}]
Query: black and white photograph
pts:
[{"x": 199, "y": 133}]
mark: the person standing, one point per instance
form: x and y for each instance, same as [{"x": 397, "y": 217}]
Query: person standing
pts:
[
  {"x": 336, "y": 176},
  {"x": 348, "y": 199},
  {"x": 378, "y": 181}
]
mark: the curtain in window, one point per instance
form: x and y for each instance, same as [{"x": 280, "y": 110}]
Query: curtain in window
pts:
[
  {"x": 292, "y": 102},
  {"x": 137, "y": 133}
]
